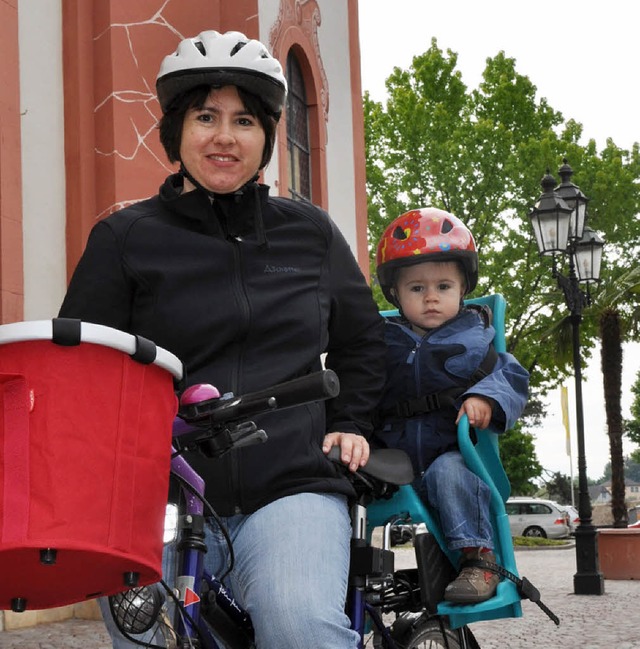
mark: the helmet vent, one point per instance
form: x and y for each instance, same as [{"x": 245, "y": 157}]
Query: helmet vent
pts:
[
  {"x": 231, "y": 58},
  {"x": 447, "y": 226},
  {"x": 399, "y": 233},
  {"x": 237, "y": 47}
]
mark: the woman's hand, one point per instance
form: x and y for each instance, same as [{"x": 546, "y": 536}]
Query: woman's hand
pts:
[
  {"x": 354, "y": 449},
  {"x": 478, "y": 410}
]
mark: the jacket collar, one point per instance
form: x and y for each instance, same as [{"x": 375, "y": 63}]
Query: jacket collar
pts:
[{"x": 237, "y": 213}]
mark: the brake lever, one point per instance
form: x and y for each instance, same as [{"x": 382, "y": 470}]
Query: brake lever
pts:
[{"x": 247, "y": 434}]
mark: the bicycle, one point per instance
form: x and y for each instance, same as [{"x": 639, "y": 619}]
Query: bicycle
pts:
[
  {"x": 206, "y": 612},
  {"x": 45, "y": 562}
]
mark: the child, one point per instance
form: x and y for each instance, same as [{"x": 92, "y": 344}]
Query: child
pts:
[{"x": 441, "y": 364}]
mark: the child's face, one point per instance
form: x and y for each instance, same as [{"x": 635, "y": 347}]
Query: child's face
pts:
[{"x": 429, "y": 293}]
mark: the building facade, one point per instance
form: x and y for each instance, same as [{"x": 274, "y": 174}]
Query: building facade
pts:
[
  {"x": 78, "y": 136},
  {"x": 78, "y": 117}
]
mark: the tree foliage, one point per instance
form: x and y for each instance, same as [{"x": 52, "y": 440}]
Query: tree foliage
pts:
[
  {"x": 519, "y": 459},
  {"x": 632, "y": 426},
  {"x": 479, "y": 154},
  {"x": 631, "y": 469},
  {"x": 558, "y": 487}
]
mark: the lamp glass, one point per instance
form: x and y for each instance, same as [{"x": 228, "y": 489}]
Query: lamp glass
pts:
[
  {"x": 577, "y": 203},
  {"x": 588, "y": 257},
  {"x": 551, "y": 230},
  {"x": 578, "y": 216}
]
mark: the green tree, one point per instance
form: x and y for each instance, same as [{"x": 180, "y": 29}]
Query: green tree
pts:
[
  {"x": 479, "y": 154},
  {"x": 631, "y": 467},
  {"x": 558, "y": 487},
  {"x": 616, "y": 309},
  {"x": 519, "y": 459},
  {"x": 632, "y": 426}
]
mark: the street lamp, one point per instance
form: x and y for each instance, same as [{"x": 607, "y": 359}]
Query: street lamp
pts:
[{"x": 558, "y": 220}]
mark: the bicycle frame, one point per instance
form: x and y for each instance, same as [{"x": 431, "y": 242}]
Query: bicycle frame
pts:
[
  {"x": 191, "y": 573},
  {"x": 206, "y": 612}
]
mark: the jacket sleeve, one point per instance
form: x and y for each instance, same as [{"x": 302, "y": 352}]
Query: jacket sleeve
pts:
[
  {"x": 356, "y": 348},
  {"x": 99, "y": 291},
  {"x": 508, "y": 386}
]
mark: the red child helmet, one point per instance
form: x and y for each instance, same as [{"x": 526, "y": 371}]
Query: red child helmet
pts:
[{"x": 426, "y": 234}]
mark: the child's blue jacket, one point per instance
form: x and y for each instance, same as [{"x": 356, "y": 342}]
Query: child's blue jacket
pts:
[{"x": 442, "y": 363}]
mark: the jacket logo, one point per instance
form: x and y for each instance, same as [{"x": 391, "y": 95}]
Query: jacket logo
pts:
[{"x": 281, "y": 269}]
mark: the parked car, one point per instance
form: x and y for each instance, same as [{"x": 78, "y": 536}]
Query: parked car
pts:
[
  {"x": 400, "y": 534},
  {"x": 403, "y": 530},
  {"x": 635, "y": 525},
  {"x": 537, "y": 518},
  {"x": 574, "y": 518}
]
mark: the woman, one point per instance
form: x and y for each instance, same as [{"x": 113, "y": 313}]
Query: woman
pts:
[{"x": 248, "y": 291}]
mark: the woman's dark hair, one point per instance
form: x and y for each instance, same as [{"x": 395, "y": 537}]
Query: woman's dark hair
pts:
[{"x": 172, "y": 121}]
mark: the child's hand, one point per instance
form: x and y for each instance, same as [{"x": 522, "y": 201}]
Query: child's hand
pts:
[{"x": 478, "y": 410}]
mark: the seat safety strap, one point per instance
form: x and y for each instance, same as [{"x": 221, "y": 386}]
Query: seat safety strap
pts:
[
  {"x": 444, "y": 398},
  {"x": 526, "y": 589}
]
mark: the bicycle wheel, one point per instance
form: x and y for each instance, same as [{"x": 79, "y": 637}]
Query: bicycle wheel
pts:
[{"x": 433, "y": 633}]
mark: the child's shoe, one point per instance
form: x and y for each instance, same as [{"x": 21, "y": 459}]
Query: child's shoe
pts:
[{"x": 474, "y": 584}]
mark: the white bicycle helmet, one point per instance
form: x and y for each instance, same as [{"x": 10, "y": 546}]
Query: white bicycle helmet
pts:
[{"x": 218, "y": 59}]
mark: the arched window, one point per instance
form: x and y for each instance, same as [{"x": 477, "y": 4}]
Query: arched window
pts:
[{"x": 298, "y": 148}]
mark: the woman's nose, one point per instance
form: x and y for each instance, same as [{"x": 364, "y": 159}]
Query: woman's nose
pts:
[{"x": 223, "y": 134}]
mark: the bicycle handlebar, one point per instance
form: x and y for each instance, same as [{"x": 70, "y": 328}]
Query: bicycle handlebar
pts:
[{"x": 312, "y": 387}]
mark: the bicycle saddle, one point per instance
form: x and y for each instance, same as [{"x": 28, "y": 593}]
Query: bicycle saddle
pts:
[{"x": 390, "y": 465}]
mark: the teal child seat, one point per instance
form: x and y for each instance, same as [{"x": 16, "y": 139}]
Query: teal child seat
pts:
[{"x": 483, "y": 458}]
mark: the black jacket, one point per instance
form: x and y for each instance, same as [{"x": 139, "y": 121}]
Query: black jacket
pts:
[{"x": 248, "y": 291}]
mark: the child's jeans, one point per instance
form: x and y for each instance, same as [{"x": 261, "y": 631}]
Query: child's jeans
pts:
[{"x": 461, "y": 499}]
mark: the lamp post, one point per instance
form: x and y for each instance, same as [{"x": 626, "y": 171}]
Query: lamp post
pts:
[{"x": 558, "y": 220}]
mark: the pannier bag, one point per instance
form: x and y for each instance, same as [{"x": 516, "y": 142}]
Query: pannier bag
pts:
[{"x": 85, "y": 450}]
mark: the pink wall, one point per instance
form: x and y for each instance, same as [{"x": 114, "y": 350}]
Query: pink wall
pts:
[
  {"x": 112, "y": 51},
  {"x": 11, "y": 274}
]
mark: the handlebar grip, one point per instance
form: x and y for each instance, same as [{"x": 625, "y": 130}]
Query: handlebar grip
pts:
[{"x": 312, "y": 387}]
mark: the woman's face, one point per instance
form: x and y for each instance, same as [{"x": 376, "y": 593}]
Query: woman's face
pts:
[{"x": 222, "y": 144}]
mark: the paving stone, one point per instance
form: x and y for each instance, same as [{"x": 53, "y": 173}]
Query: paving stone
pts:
[{"x": 586, "y": 621}]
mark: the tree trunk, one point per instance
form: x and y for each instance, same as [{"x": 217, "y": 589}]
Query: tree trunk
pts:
[{"x": 611, "y": 358}]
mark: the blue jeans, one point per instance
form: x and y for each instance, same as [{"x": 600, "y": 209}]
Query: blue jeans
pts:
[
  {"x": 291, "y": 572},
  {"x": 461, "y": 499}
]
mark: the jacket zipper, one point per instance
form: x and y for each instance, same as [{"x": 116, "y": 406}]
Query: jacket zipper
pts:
[
  {"x": 240, "y": 291},
  {"x": 416, "y": 372}
]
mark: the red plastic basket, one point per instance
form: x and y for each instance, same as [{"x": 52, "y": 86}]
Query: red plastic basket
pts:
[{"x": 85, "y": 446}]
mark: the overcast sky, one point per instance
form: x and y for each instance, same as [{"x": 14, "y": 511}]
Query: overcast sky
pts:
[{"x": 584, "y": 58}]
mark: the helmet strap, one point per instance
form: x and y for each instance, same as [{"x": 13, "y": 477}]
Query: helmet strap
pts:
[{"x": 183, "y": 171}]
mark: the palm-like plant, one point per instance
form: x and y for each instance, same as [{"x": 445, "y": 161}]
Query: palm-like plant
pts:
[{"x": 616, "y": 308}]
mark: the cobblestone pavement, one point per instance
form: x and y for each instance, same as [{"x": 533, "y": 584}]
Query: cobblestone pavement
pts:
[
  {"x": 606, "y": 621},
  {"x": 70, "y": 634}
]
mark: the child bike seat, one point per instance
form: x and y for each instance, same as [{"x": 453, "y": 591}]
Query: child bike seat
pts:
[{"x": 483, "y": 458}]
